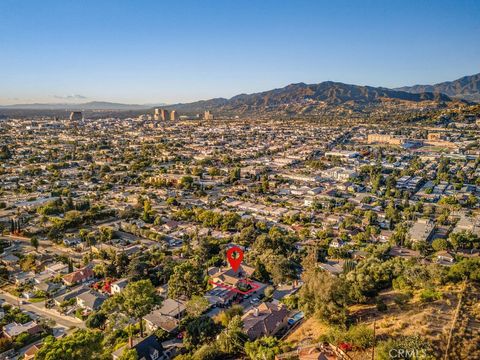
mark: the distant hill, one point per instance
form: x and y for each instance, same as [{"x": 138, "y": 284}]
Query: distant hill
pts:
[
  {"x": 467, "y": 88},
  {"x": 325, "y": 94},
  {"x": 292, "y": 100},
  {"x": 93, "y": 105}
]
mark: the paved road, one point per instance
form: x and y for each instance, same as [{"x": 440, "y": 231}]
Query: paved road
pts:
[
  {"x": 40, "y": 310},
  {"x": 45, "y": 245}
]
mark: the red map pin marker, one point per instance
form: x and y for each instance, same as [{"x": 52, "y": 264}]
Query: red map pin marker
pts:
[{"x": 237, "y": 260}]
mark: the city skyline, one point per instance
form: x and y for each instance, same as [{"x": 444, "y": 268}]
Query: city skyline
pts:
[{"x": 122, "y": 52}]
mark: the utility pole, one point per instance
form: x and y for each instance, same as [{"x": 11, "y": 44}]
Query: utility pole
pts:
[{"x": 374, "y": 340}]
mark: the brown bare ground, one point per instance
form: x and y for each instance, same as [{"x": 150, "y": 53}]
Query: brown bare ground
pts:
[
  {"x": 310, "y": 329},
  {"x": 430, "y": 320}
]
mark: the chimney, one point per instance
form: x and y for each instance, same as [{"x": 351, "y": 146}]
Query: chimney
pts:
[{"x": 255, "y": 311}]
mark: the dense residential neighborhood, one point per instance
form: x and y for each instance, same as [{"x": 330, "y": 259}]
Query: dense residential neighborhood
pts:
[
  {"x": 239, "y": 180},
  {"x": 115, "y": 234}
]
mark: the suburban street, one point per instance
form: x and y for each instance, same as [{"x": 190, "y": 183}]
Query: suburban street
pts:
[
  {"x": 38, "y": 309},
  {"x": 45, "y": 246}
]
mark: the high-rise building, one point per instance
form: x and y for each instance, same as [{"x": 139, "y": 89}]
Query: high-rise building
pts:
[
  {"x": 161, "y": 115},
  {"x": 157, "y": 114},
  {"x": 76, "y": 115},
  {"x": 144, "y": 117},
  {"x": 208, "y": 115},
  {"x": 173, "y": 115}
]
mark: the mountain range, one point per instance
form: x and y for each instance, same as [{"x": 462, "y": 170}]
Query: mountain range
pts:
[
  {"x": 466, "y": 88},
  {"x": 325, "y": 94},
  {"x": 304, "y": 98}
]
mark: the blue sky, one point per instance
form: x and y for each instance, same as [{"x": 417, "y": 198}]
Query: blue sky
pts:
[{"x": 139, "y": 51}]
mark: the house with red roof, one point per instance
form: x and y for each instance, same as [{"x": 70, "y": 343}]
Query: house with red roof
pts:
[{"x": 79, "y": 276}]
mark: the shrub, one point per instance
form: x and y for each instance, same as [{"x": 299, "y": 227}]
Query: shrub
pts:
[
  {"x": 21, "y": 340},
  {"x": 208, "y": 352},
  {"x": 224, "y": 317},
  {"x": 162, "y": 335},
  {"x": 269, "y": 291},
  {"x": 402, "y": 299},
  {"x": 429, "y": 295},
  {"x": 291, "y": 301},
  {"x": 359, "y": 336},
  {"x": 381, "y": 306},
  {"x": 96, "y": 320},
  {"x": 412, "y": 347},
  {"x": 5, "y": 344}
]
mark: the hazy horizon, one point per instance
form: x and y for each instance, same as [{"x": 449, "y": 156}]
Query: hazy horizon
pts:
[{"x": 73, "y": 100}]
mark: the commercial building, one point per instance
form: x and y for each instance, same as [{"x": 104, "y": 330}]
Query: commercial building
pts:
[
  {"x": 384, "y": 139},
  {"x": 208, "y": 115},
  {"x": 173, "y": 115},
  {"x": 343, "y": 154},
  {"x": 411, "y": 183},
  {"x": 422, "y": 230},
  {"x": 468, "y": 224},
  {"x": 144, "y": 117},
  {"x": 76, "y": 115},
  {"x": 439, "y": 139},
  {"x": 339, "y": 173},
  {"x": 161, "y": 115}
]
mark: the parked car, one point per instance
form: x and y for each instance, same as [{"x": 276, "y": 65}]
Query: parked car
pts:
[{"x": 295, "y": 318}]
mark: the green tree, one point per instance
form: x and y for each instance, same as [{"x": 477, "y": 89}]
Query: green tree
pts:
[
  {"x": 370, "y": 276},
  {"x": 231, "y": 340},
  {"x": 5, "y": 152},
  {"x": 106, "y": 233},
  {"x": 147, "y": 211},
  {"x": 34, "y": 242},
  {"x": 186, "y": 280},
  {"x": 171, "y": 201},
  {"x": 28, "y": 263},
  {"x": 196, "y": 305},
  {"x": 5, "y": 344},
  {"x": 370, "y": 217},
  {"x": 226, "y": 316},
  {"x": 136, "y": 300},
  {"x": 439, "y": 244},
  {"x": 465, "y": 269},
  {"x": 464, "y": 239},
  {"x": 199, "y": 331},
  {"x": 359, "y": 336},
  {"x": 96, "y": 320},
  {"x": 186, "y": 182},
  {"x": 129, "y": 354},
  {"x": 324, "y": 296},
  {"x": 81, "y": 345},
  {"x": 234, "y": 174},
  {"x": 207, "y": 352},
  {"x": 264, "y": 348},
  {"x": 449, "y": 202}
]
